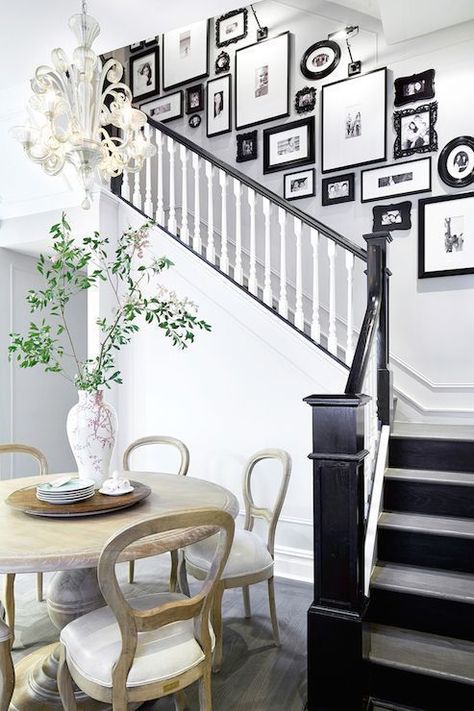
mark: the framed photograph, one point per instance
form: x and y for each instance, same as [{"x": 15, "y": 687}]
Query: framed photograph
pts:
[
  {"x": 185, "y": 54},
  {"x": 136, "y": 46},
  {"x": 194, "y": 121},
  {"x": 222, "y": 63},
  {"x": 218, "y": 106},
  {"x": 262, "y": 91},
  {"x": 456, "y": 162},
  {"x": 395, "y": 180},
  {"x": 166, "y": 108},
  {"x": 246, "y": 146},
  {"x": 195, "y": 98},
  {"x": 354, "y": 128},
  {"x": 305, "y": 100},
  {"x": 231, "y": 27},
  {"x": 337, "y": 189},
  {"x": 392, "y": 217},
  {"x": 320, "y": 59},
  {"x": 415, "y": 130},
  {"x": 289, "y": 145},
  {"x": 144, "y": 74},
  {"x": 446, "y": 235},
  {"x": 418, "y": 87},
  {"x": 299, "y": 185}
]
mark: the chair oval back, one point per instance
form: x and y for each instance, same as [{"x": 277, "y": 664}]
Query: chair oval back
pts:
[
  {"x": 26, "y": 449},
  {"x": 159, "y": 439},
  {"x": 252, "y": 511}
]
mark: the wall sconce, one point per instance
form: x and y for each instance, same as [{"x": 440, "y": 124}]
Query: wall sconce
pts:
[
  {"x": 262, "y": 32},
  {"x": 354, "y": 67}
]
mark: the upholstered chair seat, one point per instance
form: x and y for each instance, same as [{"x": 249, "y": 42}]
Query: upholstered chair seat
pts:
[{"x": 248, "y": 555}]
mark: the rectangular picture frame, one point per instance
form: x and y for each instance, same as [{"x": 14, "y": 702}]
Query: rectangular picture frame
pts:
[
  {"x": 194, "y": 98},
  {"x": 247, "y": 146},
  {"x": 262, "y": 81},
  {"x": 446, "y": 235},
  {"x": 394, "y": 180},
  {"x": 299, "y": 184},
  {"x": 354, "y": 121},
  {"x": 289, "y": 145},
  {"x": 185, "y": 54},
  {"x": 218, "y": 106},
  {"x": 417, "y": 87},
  {"x": 144, "y": 74},
  {"x": 158, "y": 110},
  {"x": 338, "y": 189},
  {"x": 396, "y": 216}
]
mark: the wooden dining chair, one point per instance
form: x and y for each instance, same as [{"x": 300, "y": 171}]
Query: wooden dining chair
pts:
[
  {"x": 151, "y": 646},
  {"x": 9, "y": 585},
  {"x": 7, "y": 671},
  {"x": 251, "y": 560},
  {"x": 182, "y": 471}
]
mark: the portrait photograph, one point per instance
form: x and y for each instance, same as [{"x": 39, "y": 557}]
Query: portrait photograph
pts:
[
  {"x": 392, "y": 217},
  {"x": 231, "y": 27},
  {"x": 194, "y": 98},
  {"x": 338, "y": 189},
  {"x": 289, "y": 145},
  {"x": 417, "y": 87},
  {"x": 305, "y": 100},
  {"x": 218, "y": 101},
  {"x": 397, "y": 179},
  {"x": 299, "y": 185},
  {"x": 166, "y": 108},
  {"x": 222, "y": 63},
  {"x": 456, "y": 162},
  {"x": 320, "y": 59},
  {"x": 144, "y": 74},
  {"x": 415, "y": 130},
  {"x": 246, "y": 146},
  {"x": 185, "y": 54}
]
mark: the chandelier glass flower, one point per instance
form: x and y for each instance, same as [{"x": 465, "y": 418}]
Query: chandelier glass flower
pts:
[{"x": 81, "y": 114}]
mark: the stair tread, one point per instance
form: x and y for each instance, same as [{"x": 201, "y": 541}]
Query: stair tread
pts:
[
  {"x": 421, "y": 652},
  {"x": 446, "y": 584},
  {"x": 431, "y": 431},
  {"x": 438, "y": 525},
  {"x": 430, "y": 476}
]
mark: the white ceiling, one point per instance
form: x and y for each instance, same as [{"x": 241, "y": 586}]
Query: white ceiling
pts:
[{"x": 405, "y": 19}]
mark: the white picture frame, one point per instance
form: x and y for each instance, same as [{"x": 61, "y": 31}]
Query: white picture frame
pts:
[
  {"x": 397, "y": 179},
  {"x": 165, "y": 108},
  {"x": 185, "y": 54}
]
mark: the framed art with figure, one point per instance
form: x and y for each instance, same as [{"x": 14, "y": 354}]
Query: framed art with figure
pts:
[
  {"x": 337, "y": 189},
  {"x": 417, "y": 87},
  {"x": 456, "y": 162},
  {"x": 165, "y": 108},
  {"x": 395, "y": 180},
  {"x": 144, "y": 74},
  {"x": 219, "y": 106},
  {"x": 289, "y": 145},
  {"x": 415, "y": 130},
  {"x": 185, "y": 54}
]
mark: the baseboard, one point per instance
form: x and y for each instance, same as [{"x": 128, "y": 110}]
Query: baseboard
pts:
[{"x": 294, "y": 564}]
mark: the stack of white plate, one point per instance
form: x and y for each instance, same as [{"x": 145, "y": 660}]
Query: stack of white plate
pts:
[{"x": 70, "y": 492}]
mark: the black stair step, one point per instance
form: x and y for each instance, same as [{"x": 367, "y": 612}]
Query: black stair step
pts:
[
  {"x": 439, "y": 493},
  {"x": 456, "y": 455}
]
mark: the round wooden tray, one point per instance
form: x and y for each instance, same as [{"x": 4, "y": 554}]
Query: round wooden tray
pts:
[{"x": 25, "y": 500}]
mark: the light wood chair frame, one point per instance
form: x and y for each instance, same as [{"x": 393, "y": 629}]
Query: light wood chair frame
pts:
[
  {"x": 7, "y": 670},
  {"x": 9, "y": 580},
  {"x": 182, "y": 471},
  {"x": 132, "y": 621},
  {"x": 252, "y": 512}
]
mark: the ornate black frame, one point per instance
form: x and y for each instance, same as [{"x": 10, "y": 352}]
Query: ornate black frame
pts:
[
  {"x": 379, "y": 210},
  {"x": 232, "y": 13},
  {"x": 225, "y": 57},
  {"x": 300, "y": 197},
  {"x": 432, "y": 110},
  {"x": 326, "y": 182},
  {"x": 428, "y": 76},
  {"x": 310, "y": 123},
  {"x": 443, "y": 158},
  {"x": 192, "y": 89},
  {"x": 305, "y": 109},
  {"x": 317, "y": 45},
  {"x": 131, "y": 62},
  {"x": 240, "y": 138}
]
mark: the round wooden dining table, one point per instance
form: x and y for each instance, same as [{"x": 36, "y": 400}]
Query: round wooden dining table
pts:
[{"x": 71, "y": 547}]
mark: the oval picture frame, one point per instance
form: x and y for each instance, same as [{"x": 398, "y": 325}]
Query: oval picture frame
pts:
[
  {"x": 456, "y": 145},
  {"x": 317, "y": 49}
]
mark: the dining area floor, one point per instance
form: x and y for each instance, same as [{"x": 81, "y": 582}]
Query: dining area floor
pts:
[{"x": 255, "y": 674}]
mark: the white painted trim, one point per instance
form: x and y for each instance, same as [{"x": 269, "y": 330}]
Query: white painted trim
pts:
[
  {"x": 374, "y": 510},
  {"x": 294, "y": 563},
  {"x": 431, "y": 384},
  {"x": 423, "y": 410}
]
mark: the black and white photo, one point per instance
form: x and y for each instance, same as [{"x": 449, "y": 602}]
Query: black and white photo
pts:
[
  {"x": 415, "y": 130},
  {"x": 417, "y": 87},
  {"x": 185, "y": 54},
  {"x": 289, "y": 145},
  {"x": 222, "y": 65},
  {"x": 395, "y": 180},
  {"x": 300, "y": 184},
  {"x": 456, "y": 162},
  {"x": 261, "y": 81},
  {"x": 338, "y": 189},
  {"x": 392, "y": 217},
  {"x": 194, "y": 98},
  {"x": 231, "y": 27},
  {"x": 246, "y": 146},
  {"x": 353, "y": 122},
  {"x": 218, "y": 106},
  {"x": 305, "y": 100},
  {"x": 165, "y": 108},
  {"x": 320, "y": 59},
  {"x": 194, "y": 121},
  {"x": 144, "y": 74}
]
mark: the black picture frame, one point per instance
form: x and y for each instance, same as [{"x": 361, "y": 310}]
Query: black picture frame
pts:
[
  {"x": 194, "y": 121},
  {"x": 222, "y": 64},
  {"x": 409, "y": 141},
  {"x": 228, "y": 128},
  {"x": 187, "y": 79},
  {"x": 320, "y": 46},
  {"x": 309, "y": 123},
  {"x": 396, "y": 216},
  {"x": 339, "y": 192},
  {"x": 136, "y": 46},
  {"x": 147, "y": 107},
  {"x": 402, "y": 167},
  {"x": 193, "y": 91},
  {"x": 150, "y": 41},
  {"x": 305, "y": 100},
  {"x": 406, "y": 90},
  {"x": 135, "y": 58},
  {"x": 247, "y": 146},
  {"x": 452, "y": 242},
  {"x": 287, "y": 194},
  {"x": 220, "y": 40},
  {"x": 464, "y": 148}
]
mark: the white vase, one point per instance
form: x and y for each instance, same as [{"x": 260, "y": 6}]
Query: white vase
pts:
[{"x": 92, "y": 430}]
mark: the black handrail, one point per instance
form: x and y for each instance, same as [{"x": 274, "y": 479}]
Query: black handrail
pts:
[
  {"x": 360, "y": 361},
  {"x": 261, "y": 190}
]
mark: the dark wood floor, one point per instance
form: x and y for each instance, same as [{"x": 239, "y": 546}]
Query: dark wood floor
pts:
[{"x": 255, "y": 674}]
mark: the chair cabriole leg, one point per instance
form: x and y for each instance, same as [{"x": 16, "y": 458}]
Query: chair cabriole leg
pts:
[
  {"x": 273, "y": 613},
  {"x": 131, "y": 571},
  {"x": 9, "y": 602},
  {"x": 174, "y": 571},
  {"x": 246, "y": 596},
  {"x": 65, "y": 687},
  {"x": 205, "y": 691},
  {"x": 39, "y": 587},
  {"x": 217, "y": 626}
]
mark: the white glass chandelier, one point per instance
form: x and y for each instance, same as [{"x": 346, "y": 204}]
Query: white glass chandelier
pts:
[{"x": 73, "y": 109}]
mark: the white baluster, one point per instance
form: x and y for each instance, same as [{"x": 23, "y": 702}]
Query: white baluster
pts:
[
  {"x": 184, "y": 230},
  {"x": 148, "y": 205},
  {"x": 160, "y": 207},
  {"x": 197, "y": 243},
  {"x": 299, "y": 315},
  {"x": 332, "y": 339},
  {"x": 267, "y": 287},
  {"x": 238, "y": 276},
  {"x": 224, "y": 260},
  {"x": 172, "y": 224},
  {"x": 137, "y": 193},
  {"x": 350, "y": 272},
  {"x": 210, "y": 249},
  {"x": 126, "y": 186},
  {"x": 253, "y": 257},
  {"x": 283, "y": 300},
  {"x": 315, "y": 324}
]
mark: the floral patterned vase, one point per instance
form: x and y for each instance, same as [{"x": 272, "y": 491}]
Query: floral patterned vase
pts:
[{"x": 92, "y": 430}]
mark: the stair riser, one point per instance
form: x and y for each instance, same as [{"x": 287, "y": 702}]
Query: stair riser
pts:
[
  {"x": 428, "y": 498},
  {"x": 426, "y": 693},
  {"x": 419, "y": 612},
  {"x": 426, "y": 550},
  {"x": 437, "y": 454}
]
